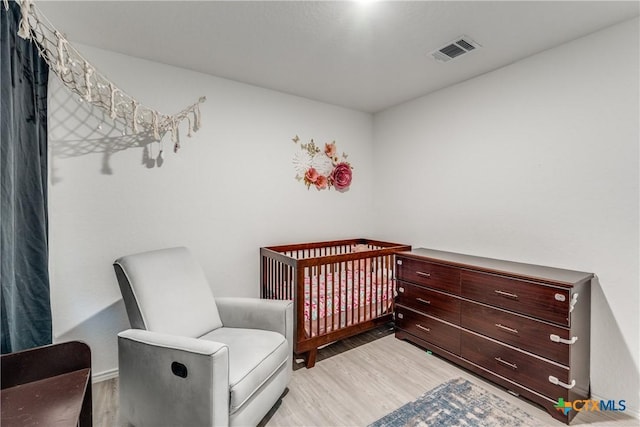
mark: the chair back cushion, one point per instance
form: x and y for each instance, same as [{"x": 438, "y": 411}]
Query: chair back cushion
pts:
[{"x": 166, "y": 291}]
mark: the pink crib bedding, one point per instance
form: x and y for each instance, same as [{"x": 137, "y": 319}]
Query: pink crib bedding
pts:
[{"x": 357, "y": 289}]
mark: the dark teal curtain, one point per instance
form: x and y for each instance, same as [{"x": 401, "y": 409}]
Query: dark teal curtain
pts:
[{"x": 25, "y": 303}]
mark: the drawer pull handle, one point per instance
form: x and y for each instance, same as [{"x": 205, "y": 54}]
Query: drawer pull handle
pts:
[
  {"x": 399, "y": 262},
  {"x": 504, "y": 362},
  {"x": 423, "y": 328},
  {"x": 400, "y": 316},
  {"x": 506, "y": 328},
  {"x": 556, "y": 338},
  {"x": 554, "y": 380},
  {"x": 506, "y": 294},
  {"x": 401, "y": 289},
  {"x": 423, "y": 274},
  {"x": 423, "y": 301}
]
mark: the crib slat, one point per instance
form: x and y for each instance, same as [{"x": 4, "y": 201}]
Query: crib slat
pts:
[
  {"x": 379, "y": 271},
  {"x": 351, "y": 305},
  {"x": 273, "y": 288},
  {"x": 339, "y": 299},
  {"x": 317, "y": 272},
  {"x": 300, "y": 299},
  {"x": 362, "y": 283},
  {"x": 326, "y": 286}
]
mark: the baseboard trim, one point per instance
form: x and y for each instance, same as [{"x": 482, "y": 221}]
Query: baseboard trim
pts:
[
  {"x": 634, "y": 412},
  {"x": 104, "y": 375}
]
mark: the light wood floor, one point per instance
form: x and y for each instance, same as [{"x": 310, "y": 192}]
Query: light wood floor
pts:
[{"x": 360, "y": 385}]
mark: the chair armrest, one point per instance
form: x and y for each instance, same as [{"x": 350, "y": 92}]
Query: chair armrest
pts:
[
  {"x": 154, "y": 390},
  {"x": 172, "y": 342},
  {"x": 257, "y": 313}
]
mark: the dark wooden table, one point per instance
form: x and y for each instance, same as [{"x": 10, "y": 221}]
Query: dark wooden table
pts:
[{"x": 49, "y": 385}]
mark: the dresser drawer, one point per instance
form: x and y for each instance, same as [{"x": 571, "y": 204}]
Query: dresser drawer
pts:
[
  {"x": 515, "y": 365},
  {"x": 529, "y": 298},
  {"x": 522, "y": 332},
  {"x": 428, "y": 329},
  {"x": 428, "y": 274},
  {"x": 429, "y": 302}
]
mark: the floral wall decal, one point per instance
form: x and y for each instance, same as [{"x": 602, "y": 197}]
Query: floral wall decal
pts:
[{"x": 322, "y": 168}]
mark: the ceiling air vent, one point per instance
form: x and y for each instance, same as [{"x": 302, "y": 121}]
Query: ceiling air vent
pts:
[{"x": 454, "y": 49}]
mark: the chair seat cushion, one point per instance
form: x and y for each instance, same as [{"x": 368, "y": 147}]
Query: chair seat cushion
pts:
[{"x": 254, "y": 357}]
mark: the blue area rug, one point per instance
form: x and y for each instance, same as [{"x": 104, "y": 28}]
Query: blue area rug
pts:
[{"x": 457, "y": 403}]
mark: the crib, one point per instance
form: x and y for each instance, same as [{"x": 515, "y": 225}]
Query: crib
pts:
[{"x": 340, "y": 288}]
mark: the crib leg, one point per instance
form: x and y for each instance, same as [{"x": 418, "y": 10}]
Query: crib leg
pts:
[{"x": 310, "y": 358}]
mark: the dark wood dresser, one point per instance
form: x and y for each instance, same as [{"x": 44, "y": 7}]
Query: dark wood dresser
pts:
[{"x": 524, "y": 327}]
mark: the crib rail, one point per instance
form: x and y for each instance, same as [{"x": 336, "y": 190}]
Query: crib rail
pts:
[{"x": 307, "y": 251}]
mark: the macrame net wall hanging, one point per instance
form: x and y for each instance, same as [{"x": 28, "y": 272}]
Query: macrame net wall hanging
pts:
[{"x": 83, "y": 79}]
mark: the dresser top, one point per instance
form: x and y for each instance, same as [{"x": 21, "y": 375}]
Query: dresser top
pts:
[{"x": 536, "y": 272}]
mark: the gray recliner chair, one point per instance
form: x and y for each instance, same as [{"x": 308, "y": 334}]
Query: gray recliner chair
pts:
[{"x": 190, "y": 359}]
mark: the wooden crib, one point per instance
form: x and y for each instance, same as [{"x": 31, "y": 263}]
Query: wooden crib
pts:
[{"x": 340, "y": 288}]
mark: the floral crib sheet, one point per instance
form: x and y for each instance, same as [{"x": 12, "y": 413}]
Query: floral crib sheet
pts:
[{"x": 357, "y": 288}]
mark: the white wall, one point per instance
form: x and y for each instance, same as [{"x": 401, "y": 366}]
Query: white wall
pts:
[
  {"x": 536, "y": 162},
  {"x": 227, "y": 192}
]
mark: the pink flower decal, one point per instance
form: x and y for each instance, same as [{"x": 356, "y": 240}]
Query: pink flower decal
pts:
[
  {"x": 322, "y": 182},
  {"x": 341, "y": 176},
  {"x": 330, "y": 150},
  {"x": 311, "y": 176},
  {"x": 322, "y": 168}
]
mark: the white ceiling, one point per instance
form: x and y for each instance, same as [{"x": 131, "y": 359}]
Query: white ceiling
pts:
[{"x": 363, "y": 56}]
